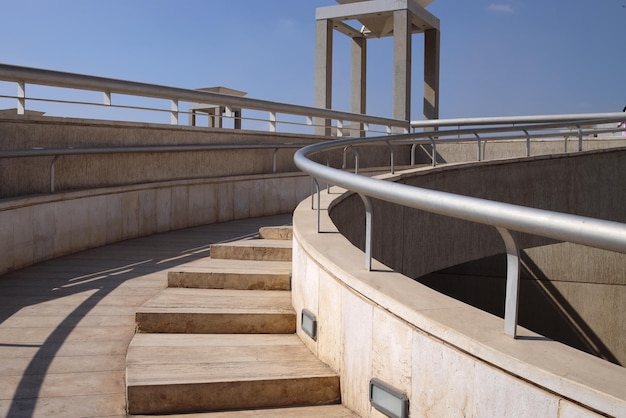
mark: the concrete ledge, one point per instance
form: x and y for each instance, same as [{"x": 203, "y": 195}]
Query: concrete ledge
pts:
[
  {"x": 448, "y": 357},
  {"x": 38, "y": 228}
]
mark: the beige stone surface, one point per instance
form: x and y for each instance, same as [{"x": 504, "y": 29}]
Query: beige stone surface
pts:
[
  {"x": 183, "y": 373},
  {"x": 65, "y": 324},
  {"x": 327, "y": 411},
  {"x": 219, "y": 311},
  {"x": 276, "y": 232},
  {"x": 265, "y": 249},
  {"x": 213, "y": 273}
]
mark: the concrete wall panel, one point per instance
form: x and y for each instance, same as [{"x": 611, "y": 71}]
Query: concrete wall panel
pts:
[{"x": 35, "y": 229}]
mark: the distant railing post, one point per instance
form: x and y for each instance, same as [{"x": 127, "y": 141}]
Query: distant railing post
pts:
[
  {"x": 527, "y": 143},
  {"x": 391, "y": 156},
  {"x": 174, "y": 107},
  {"x": 480, "y": 153},
  {"x": 433, "y": 144},
  {"x": 21, "y": 98},
  {"x": 272, "y": 121},
  {"x": 274, "y": 160},
  {"x": 52, "y": 175},
  {"x": 580, "y": 138}
]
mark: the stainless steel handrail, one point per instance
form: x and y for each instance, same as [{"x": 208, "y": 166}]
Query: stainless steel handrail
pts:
[
  {"x": 45, "y": 77},
  {"x": 514, "y": 120},
  {"x": 504, "y": 217}
]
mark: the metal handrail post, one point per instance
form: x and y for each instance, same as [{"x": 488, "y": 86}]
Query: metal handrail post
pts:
[
  {"x": 580, "y": 138},
  {"x": 433, "y": 143},
  {"x": 393, "y": 168},
  {"x": 312, "y": 193},
  {"x": 274, "y": 160},
  {"x": 480, "y": 154},
  {"x": 21, "y": 97},
  {"x": 52, "y": 179},
  {"x": 413, "y": 147},
  {"x": 527, "y": 142},
  {"x": 511, "y": 300},
  {"x": 368, "y": 231},
  {"x": 317, "y": 186},
  {"x": 327, "y": 183}
]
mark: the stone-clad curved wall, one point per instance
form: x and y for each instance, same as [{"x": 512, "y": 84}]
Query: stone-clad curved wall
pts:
[
  {"x": 448, "y": 357},
  {"x": 25, "y": 176},
  {"x": 38, "y": 228}
]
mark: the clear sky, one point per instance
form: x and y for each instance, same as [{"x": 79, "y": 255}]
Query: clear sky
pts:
[{"x": 498, "y": 57}]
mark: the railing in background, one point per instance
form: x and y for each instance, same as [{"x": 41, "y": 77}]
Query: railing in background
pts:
[
  {"x": 568, "y": 126},
  {"x": 58, "y": 152},
  {"x": 306, "y": 119},
  {"x": 504, "y": 217}
]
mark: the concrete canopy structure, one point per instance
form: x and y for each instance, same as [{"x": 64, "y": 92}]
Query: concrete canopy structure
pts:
[
  {"x": 379, "y": 18},
  {"x": 214, "y": 111}
]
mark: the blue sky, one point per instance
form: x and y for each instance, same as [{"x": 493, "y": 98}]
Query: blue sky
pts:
[{"x": 498, "y": 57}]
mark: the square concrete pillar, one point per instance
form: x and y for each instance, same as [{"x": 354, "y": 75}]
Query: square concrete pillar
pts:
[
  {"x": 402, "y": 64},
  {"x": 431, "y": 73},
  {"x": 358, "y": 82},
  {"x": 323, "y": 71}
]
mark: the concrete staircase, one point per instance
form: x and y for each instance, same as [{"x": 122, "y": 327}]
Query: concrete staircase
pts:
[{"x": 221, "y": 337}]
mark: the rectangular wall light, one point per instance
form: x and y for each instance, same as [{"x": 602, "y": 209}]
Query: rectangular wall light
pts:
[
  {"x": 388, "y": 400},
  {"x": 308, "y": 322}
]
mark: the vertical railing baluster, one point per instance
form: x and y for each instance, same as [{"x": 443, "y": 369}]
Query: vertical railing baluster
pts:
[
  {"x": 527, "y": 143},
  {"x": 21, "y": 98},
  {"x": 434, "y": 152},
  {"x": 368, "y": 231},
  {"x": 511, "y": 301},
  {"x": 272, "y": 121},
  {"x": 174, "y": 108}
]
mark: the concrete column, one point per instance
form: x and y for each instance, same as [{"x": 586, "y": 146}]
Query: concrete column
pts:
[
  {"x": 402, "y": 64},
  {"x": 358, "y": 79},
  {"x": 431, "y": 73},
  {"x": 323, "y": 71}
]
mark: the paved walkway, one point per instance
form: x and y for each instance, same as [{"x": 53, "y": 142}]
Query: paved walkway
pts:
[{"x": 65, "y": 324}]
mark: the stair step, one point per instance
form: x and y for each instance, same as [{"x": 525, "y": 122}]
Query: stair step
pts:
[
  {"x": 276, "y": 232},
  {"x": 174, "y": 373},
  {"x": 254, "y": 249},
  {"x": 217, "y": 311},
  {"x": 212, "y": 273},
  {"x": 326, "y": 411}
]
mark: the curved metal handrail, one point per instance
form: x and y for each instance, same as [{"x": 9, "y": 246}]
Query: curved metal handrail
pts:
[
  {"x": 504, "y": 217},
  {"x": 53, "y": 78}
]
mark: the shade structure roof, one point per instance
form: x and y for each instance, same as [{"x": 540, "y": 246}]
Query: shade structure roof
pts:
[{"x": 376, "y": 16}]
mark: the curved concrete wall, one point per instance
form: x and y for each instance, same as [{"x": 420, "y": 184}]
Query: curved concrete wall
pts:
[
  {"x": 562, "y": 282},
  {"x": 101, "y": 199},
  {"x": 23, "y": 176},
  {"x": 38, "y": 228},
  {"x": 449, "y": 358}
]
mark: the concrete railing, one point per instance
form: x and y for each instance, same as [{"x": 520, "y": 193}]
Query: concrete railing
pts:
[{"x": 302, "y": 119}]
